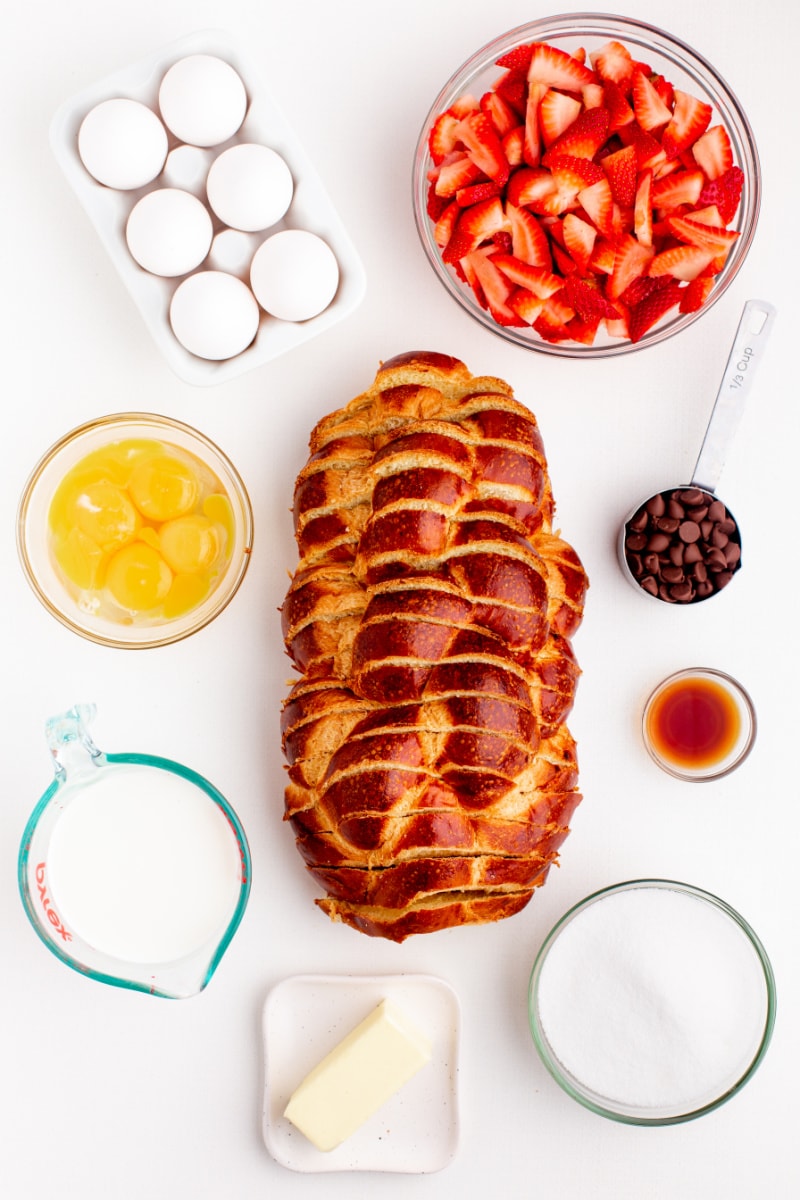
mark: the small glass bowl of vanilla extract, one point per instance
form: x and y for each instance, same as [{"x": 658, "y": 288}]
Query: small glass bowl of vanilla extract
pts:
[{"x": 699, "y": 724}]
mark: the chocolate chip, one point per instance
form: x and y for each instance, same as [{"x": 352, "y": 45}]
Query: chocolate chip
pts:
[
  {"x": 689, "y": 531},
  {"x": 636, "y": 542},
  {"x": 658, "y": 542},
  {"x": 682, "y": 591},
  {"x": 656, "y": 505}
]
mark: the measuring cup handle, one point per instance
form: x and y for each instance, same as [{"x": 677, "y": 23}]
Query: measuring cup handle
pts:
[{"x": 751, "y": 337}]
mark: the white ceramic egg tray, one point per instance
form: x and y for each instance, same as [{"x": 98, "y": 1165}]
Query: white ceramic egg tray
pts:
[
  {"x": 417, "y": 1130},
  {"x": 311, "y": 208}
]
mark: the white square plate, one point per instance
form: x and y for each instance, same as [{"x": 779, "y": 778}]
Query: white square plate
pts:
[
  {"x": 306, "y": 1016},
  {"x": 311, "y": 208}
]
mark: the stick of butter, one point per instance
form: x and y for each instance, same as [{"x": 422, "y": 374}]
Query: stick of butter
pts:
[{"x": 357, "y": 1077}]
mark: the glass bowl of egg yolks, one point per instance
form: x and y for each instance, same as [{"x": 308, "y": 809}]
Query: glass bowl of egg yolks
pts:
[{"x": 135, "y": 530}]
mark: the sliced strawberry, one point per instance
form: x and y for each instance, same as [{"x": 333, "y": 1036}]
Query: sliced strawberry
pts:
[
  {"x": 475, "y": 225},
  {"x": 457, "y": 171},
  {"x": 528, "y": 240},
  {"x": 603, "y": 256},
  {"x": 640, "y": 288},
  {"x": 443, "y": 136},
  {"x": 649, "y": 152},
  {"x": 696, "y": 293},
  {"x": 583, "y": 331},
  {"x": 495, "y": 287},
  {"x": 619, "y": 111},
  {"x": 500, "y": 113},
  {"x": 579, "y": 240},
  {"x": 502, "y": 241},
  {"x": 706, "y": 216},
  {"x": 541, "y": 282},
  {"x": 518, "y": 59},
  {"x": 532, "y": 143},
  {"x": 528, "y": 185},
  {"x": 557, "y": 69},
  {"x": 584, "y": 137},
  {"x": 514, "y": 146},
  {"x": 650, "y": 110},
  {"x": 613, "y": 62},
  {"x": 569, "y": 171},
  {"x": 446, "y": 223},
  {"x": 537, "y": 189},
  {"x": 513, "y": 88},
  {"x": 645, "y": 314},
  {"x": 713, "y": 238},
  {"x": 484, "y": 147},
  {"x": 665, "y": 90},
  {"x": 713, "y": 152},
  {"x": 725, "y": 192},
  {"x": 643, "y": 211},
  {"x": 592, "y": 95},
  {"x": 620, "y": 169},
  {"x": 525, "y": 304},
  {"x": 557, "y": 112},
  {"x": 588, "y": 301},
  {"x": 474, "y": 192},
  {"x": 463, "y": 106},
  {"x": 563, "y": 262},
  {"x": 681, "y": 262},
  {"x": 598, "y": 204},
  {"x": 690, "y": 119},
  {"x": 619, "y": 328},
  {"x": 630, "y": 261},
  {"x": 435, "y": 205},
  {"x": 678, "y": 188}
]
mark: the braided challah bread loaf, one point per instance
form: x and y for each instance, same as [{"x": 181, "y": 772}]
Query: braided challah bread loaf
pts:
[{"x": 431, "y": 775}]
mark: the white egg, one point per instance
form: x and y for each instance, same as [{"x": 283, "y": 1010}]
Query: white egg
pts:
[
  {"x": 122, "y": 143},
  {"x": 202, "y": 100},
  {"x": 232, "y": 251},
  {"x": 169, "y": 232},
  {"x": 249, "y": 187},
  {"x": 186, "y": 168},
  {"x": 214, "y": 315},
  {"x": 294, "y": 275}
]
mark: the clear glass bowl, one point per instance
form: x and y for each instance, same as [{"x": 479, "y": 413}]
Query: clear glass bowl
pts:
[
  {"x": 699, "y": 724},
  {"x": 682, "y": 66},
  {"x": 602, "y": 993},
  {"x": 86, "y": 610}
]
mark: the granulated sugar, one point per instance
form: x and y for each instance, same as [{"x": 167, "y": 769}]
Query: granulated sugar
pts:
[{"x": 653, "y": 998}]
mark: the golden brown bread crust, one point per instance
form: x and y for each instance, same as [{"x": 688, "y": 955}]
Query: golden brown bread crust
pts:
[{"x": 431, "y": 775}]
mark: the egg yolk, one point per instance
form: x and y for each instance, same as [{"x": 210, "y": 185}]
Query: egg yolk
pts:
[
  {"x": 163, "y": 488},
  {"x": 189, "y": 543},
  {"x": 137, "y": 577},
  {"x": 104, "y": 513},
  {"x": 80, "y": 559},
  {"x": 140, "y": 526}
]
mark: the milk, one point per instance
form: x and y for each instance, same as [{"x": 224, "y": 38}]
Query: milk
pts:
[{"x": 144, "y": 866}]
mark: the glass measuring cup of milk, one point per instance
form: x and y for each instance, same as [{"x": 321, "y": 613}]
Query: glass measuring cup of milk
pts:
[{"x": 133, "y": 870}]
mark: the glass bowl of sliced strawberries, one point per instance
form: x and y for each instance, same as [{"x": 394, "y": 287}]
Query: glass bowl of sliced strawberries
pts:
[{"x": 586, "y": 185}]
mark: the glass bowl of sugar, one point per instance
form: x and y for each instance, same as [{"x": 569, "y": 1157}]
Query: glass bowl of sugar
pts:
[{"x": 651, "y": 1002}]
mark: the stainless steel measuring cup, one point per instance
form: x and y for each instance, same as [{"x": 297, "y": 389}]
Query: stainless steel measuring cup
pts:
[{"x": 682, "y": 545}]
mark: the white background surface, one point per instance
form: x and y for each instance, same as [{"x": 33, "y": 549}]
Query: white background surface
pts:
[{"x": 105, "y": 1093}]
